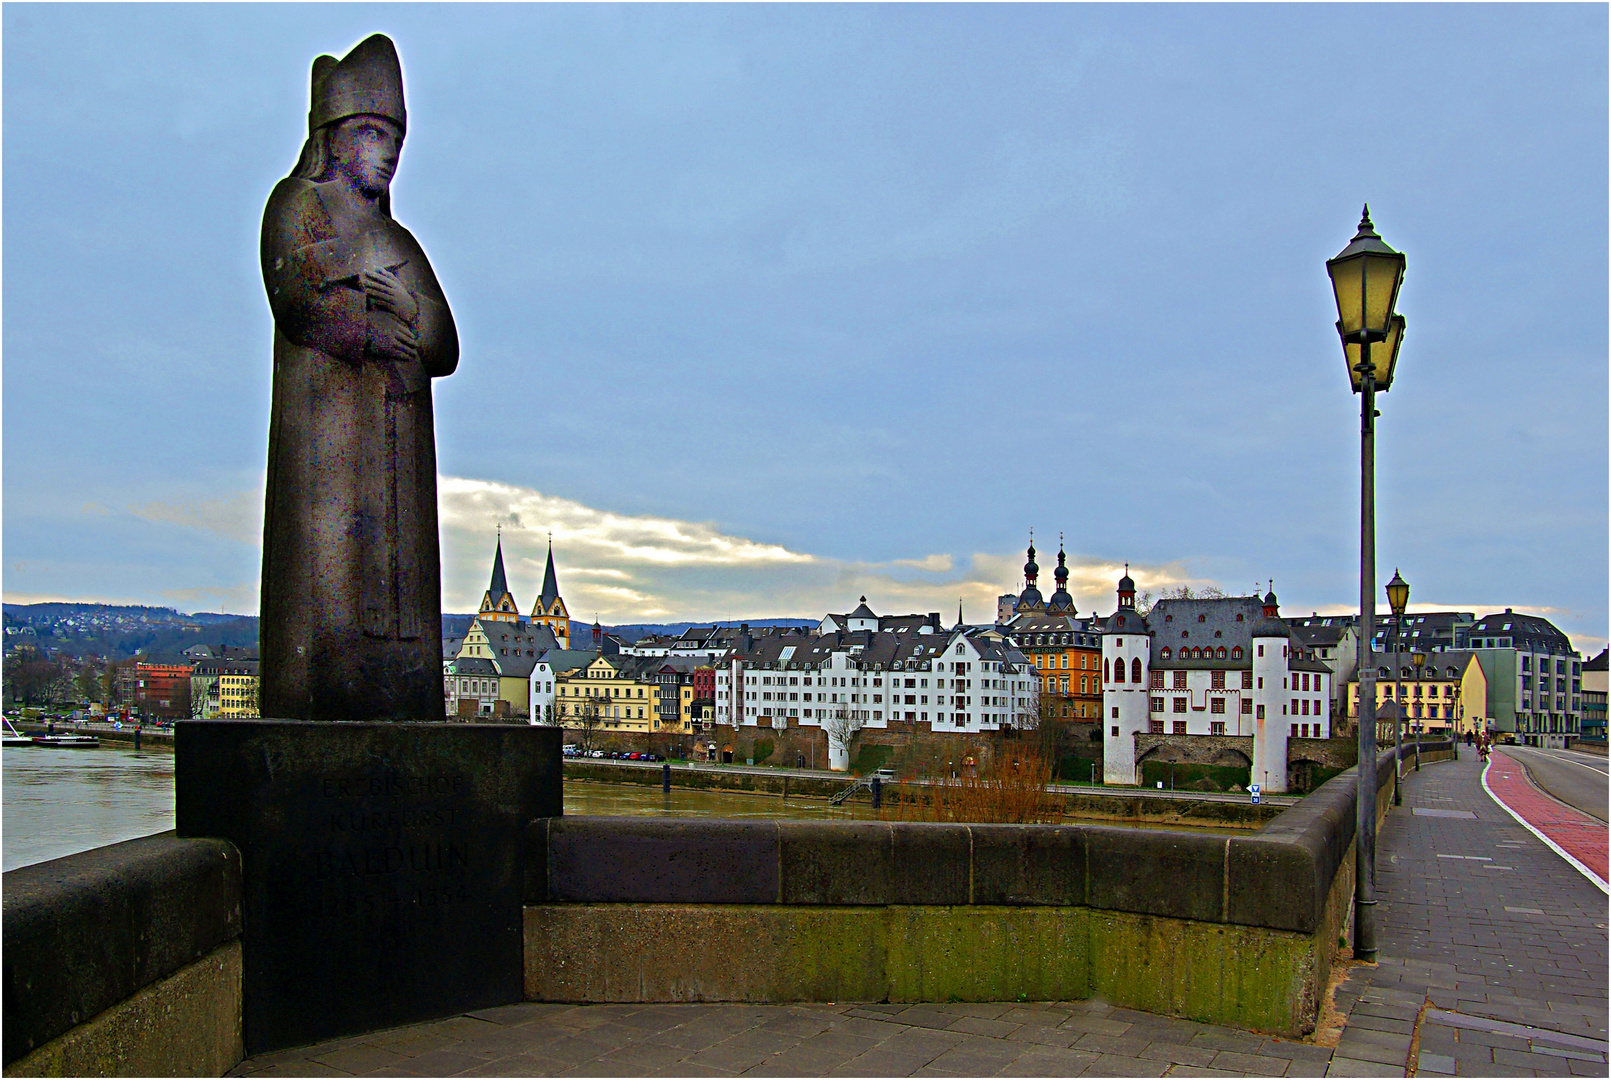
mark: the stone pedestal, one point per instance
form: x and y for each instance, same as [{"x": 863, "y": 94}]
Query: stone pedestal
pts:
[{"x": 382, "y": 863}]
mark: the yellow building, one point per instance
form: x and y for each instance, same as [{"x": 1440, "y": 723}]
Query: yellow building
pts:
[
  {"x": 620, "y": 693},
  {"x": 1446, "y": 690},
  {"x": 224, "y": 690}
]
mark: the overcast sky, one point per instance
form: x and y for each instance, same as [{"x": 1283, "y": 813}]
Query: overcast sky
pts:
[{"x": 764, "y": 308}]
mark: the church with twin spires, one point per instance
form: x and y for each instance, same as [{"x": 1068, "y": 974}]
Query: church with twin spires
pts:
[{"x": 498, "y": 605}]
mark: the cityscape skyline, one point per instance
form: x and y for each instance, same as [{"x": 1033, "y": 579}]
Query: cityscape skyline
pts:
[{"x": 834, "y": 302}]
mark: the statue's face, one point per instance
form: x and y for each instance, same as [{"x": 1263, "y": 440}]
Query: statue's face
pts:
[{"x": 365, "y": 149}]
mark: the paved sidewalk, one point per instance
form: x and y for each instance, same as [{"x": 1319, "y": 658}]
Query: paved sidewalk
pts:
[
  {"x": 1493, "y": 948},
  {"x": 1080, "y": 1038}
]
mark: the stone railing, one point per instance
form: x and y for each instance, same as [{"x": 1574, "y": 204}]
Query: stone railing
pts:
[
  {"x": 1233, "y": 929},
  {"x": 125, "y": 961}
]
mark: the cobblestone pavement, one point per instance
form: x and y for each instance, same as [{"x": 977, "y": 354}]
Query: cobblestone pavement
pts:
[
  {"x": 1493, "y": 963},
  {"x": 1078, "y": 1038},
  {"x": 1493, "y": 948}
]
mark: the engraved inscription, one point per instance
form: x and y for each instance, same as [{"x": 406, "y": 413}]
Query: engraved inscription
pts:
[{"x": 394, "y": 847}]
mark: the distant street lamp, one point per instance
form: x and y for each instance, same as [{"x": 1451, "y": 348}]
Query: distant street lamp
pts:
[
  {"x": 1398, "y": 598},
  {"x": 1365, "y": 278},
  {"x": 1418, "y": 658}
]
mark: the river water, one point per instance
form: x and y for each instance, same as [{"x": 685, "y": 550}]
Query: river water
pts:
[{"x": 57, "y": 802}]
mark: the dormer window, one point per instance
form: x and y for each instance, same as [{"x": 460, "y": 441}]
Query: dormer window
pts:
[{"x": 1202, "y": 618}]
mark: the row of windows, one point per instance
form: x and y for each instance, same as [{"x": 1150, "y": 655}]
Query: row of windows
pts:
[
  {"x": 1156, "y": 727},
  {"x": 1041, "y": 658},
  {"x": 1204, "y": 653}
]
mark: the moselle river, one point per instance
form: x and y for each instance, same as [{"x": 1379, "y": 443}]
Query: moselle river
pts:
[{"x": 57, "y": 802}]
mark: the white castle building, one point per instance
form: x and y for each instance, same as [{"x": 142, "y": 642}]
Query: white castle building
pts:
[{"x": 1227, "y": 666}]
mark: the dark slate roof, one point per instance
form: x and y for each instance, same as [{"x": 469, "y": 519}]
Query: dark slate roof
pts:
[
  {"x": 1318, "y": 637},
  {"x": 1125, "y": 621},
  {"x": 1598, "y": 663},
  {"x": 1035, "y": 630},
  {"x": 863, "y": 611},
  {"x": 1225, "y": 622},
  {"x": 451, "y": 647},
  {"x": 550, "y": 591},
  {"x": 475, "y": 665},
  {"x": 500, "y": 584},
  {"x": 1524, "y": 631},
  {"x": 563, "y": 660},
  {"x": 1061, "y": 601}
]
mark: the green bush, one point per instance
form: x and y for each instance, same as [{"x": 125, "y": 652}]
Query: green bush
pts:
[
  {"x": 870, "y": 758},
  {"x": 1187, "y": 777},
  {"x": 1077, "y": 770},
  {"x": 762, "y": 750}
]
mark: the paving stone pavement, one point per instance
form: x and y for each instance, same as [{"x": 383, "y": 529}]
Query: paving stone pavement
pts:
[
  {"x": 1493, "y": 963},
  {"x": 1070, "y": 1038},
  {"x": 1493, "y": 949}
]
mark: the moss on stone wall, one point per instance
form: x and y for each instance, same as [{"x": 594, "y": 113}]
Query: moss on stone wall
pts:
[{"x": 1244, "y": 976}]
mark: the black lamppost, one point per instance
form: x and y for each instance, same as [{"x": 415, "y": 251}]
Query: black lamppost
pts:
[
  {"x": 1398, "y": 598},
  {"x": 1418, "y": 658},
  {"x": 1365, "y": 277}
]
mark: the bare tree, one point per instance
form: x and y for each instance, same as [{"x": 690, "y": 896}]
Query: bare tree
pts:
[
  {"x": 587, "y": 722},
  {"x": 841, "y": 726}
]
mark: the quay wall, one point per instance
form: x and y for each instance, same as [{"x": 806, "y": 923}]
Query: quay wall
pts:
[{"x": 127, "y": 960}]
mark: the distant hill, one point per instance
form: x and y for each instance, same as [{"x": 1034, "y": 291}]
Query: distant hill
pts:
[{"x": 118, "y": 632}]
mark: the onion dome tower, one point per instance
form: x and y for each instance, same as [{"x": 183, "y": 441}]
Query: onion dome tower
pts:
[
  {"x": 1061, "y": 602},
  {"x": 1030, "y": 599}
]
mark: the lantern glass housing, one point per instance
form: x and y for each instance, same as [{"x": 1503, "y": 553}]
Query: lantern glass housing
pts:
[
  {"x": 1365, "y": 277},
  {"x": 1398, "y": 595},
  {"x": 1383, "y": 356}
]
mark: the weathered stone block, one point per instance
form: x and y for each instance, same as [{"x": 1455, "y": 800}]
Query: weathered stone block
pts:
[
  {"x": 84, "y": 932},
  {"x": 930, "y": 863},
  {"x": 383, "y": 863},
  {"x": 839, "y": 863},
  {"x": 678, "y": 952},
  {"x": 1181, "y": 875},
  {"x": 636, "y": 860},
  {"x": 1029, "y": 864},
  {"x": 187, "y": 1023}
]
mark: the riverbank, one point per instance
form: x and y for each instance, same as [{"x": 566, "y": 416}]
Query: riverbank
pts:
[{"x": 1117, "y": 805}]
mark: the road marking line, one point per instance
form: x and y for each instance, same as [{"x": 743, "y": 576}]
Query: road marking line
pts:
[
  {"x": 1569, "y": 761},
  {"x": 1553, "y": 846}
]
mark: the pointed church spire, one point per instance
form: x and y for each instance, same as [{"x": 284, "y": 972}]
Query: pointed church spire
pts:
[
  {"x": 550, "y": 580},
  {"x": 500, "y": 584}
]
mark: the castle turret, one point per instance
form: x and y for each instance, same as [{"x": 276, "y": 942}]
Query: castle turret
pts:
[
  {"x": 1272, "y": 646},
  {"x": 1126, "y": 673}
]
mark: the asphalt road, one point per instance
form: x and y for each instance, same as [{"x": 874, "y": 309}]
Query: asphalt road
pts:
[{"x": 1576, "y": 779}]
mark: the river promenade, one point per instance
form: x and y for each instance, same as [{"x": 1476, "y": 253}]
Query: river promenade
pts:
[{"x": 1493, "y": 963}]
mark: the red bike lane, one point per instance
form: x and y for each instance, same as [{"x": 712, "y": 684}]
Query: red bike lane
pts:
[{"x": 1572, "y": 833}]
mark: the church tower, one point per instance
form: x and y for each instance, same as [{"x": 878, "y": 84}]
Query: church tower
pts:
[
  {"x": 1061, "y": 602},
  {"x": 550, "y": 608},
  {"x": 498, "y": 605},
  {"x": 1030, "y": 600}
]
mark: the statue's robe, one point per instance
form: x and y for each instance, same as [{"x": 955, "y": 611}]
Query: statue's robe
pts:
[{"x": 351, "y": 590}]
